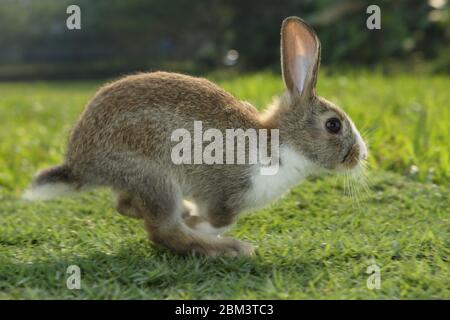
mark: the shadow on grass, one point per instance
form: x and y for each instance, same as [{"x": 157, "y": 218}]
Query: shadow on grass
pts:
[{"x": 154, "y": 273}]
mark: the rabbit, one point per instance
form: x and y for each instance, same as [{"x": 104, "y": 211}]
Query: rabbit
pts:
[{"x": 123, "y": 140}]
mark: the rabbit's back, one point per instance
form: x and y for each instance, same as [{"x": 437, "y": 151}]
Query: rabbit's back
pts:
[{"x": 136, "y": 116}]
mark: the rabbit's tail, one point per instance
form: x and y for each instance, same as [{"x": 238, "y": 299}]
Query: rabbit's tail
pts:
[{"x": 51, "y": 183}]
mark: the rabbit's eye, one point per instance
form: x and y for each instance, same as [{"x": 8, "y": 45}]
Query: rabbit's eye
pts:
[{"x": 333, "y": 125}]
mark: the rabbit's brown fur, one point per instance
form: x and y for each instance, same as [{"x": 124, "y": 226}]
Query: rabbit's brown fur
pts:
[{"x": 123, "y": 140}]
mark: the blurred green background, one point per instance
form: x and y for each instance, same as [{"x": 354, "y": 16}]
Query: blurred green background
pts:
[{"x": 118, "y": 36}]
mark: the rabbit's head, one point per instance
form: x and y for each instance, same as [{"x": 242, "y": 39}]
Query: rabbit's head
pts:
[{"x": 317, "y": 128}]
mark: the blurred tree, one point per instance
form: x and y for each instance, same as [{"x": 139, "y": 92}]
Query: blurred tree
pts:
[{"x": 120, "y": 36}]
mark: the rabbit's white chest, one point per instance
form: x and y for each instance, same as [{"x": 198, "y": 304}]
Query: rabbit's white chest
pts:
[{"x": 293, "y": 169}]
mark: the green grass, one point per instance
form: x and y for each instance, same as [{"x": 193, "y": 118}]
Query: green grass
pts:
[{"x": 316, "y": 242}]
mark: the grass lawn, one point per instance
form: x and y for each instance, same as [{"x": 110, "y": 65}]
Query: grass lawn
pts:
[{"x": 316, "y": 242}]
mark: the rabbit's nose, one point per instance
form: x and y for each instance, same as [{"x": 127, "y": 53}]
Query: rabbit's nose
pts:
[
  {"x": 363, "y": 155},
  {"x": 363, "y": 152}
]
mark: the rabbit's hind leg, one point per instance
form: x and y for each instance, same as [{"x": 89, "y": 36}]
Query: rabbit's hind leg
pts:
[
  {"x": 162, "y": 212},
  {"x": 158, "y": 200}
]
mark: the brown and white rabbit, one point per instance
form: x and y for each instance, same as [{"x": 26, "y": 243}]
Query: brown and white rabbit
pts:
[{"x": 123, "y": 140}]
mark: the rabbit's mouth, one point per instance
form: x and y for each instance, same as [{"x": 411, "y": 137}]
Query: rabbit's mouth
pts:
[{"x": 351, "y": 158}]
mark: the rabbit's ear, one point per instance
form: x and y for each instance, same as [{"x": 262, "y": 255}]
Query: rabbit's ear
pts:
[{"x": 300, "y": 56}]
